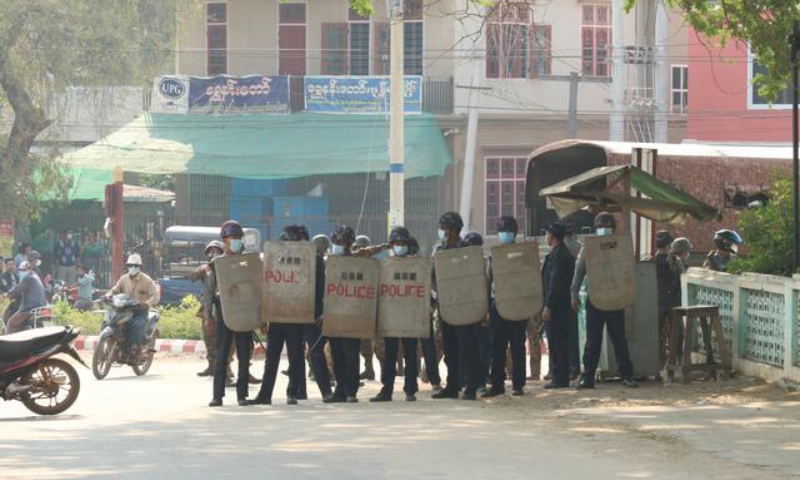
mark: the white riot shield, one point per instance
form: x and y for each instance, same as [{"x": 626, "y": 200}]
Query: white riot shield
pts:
[
  {"x": 239, "y": 283},
  {"x": 404, "y": 302},
  {"x": 610, "y": 271},
  {"x": 289, "y": 280},
  {"x": 351, "y": 297},
  {"x": 462, "y": 286},
  {"x": 517, "y": 280}
]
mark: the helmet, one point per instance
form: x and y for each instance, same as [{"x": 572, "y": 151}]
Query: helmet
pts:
[
  {"x": 24, "y": 265},
  {"x": 34, "y": 255},
  {"x": 451, "y": 220},
  {"x": 214, "y": 244},
  {"x": 294, "y": 233},
  {"x": 727, "y": 240},
  {"x": 604, "y": 220},
  {"x": 664, "y": 239},
  {"x": 473, "y": 239},
  {"x": 557, "y": 230},
  {"x": 343, "y": 235},
  {"x": 507, "y": 224},
  {"x": 682, "y": 245},
  {"x": 413, "y": 246},
  {"x": 134, "y": 259},
  {"x": 399, "y": 234},
  {"x": 363, "y": 241},
  {"x": 231, "y": 228},
  {"x": 322, "y": 242}
]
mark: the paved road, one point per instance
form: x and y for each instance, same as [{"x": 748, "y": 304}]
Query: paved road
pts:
[{"x": 158, "y": 427}]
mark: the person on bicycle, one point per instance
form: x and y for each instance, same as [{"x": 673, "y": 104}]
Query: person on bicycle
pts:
[
  {"x": 137, "y": 285},
  {"x": 30, "y": 294}
]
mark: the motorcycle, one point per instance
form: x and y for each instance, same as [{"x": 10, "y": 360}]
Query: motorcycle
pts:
[
  {"x": 112, "y": 347},
  {"x": 30, "y": 373}
]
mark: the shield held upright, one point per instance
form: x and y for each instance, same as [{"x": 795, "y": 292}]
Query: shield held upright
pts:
[
  {"x": 289, "y": 282},
  {"x": 610, "y": 271},
  {"x": 404, "y": 298},
  {"x": 351, "y": 297},
  {"x": 239, "y": 283},
  {"x": 517, "y": 280},
  {"x": 461, "y": 285}
]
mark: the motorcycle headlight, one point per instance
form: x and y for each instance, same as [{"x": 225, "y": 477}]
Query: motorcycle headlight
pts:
[{"x": 119, "y": 302}]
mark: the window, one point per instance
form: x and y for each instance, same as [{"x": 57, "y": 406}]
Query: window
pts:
[
  {"x": 505, "y": 190},
  {"x": 784, "y": 98},
  {"x": 595, "y": 39},
  {"x": 542, "y": 56},
  {"x": 216, "y": 38},
  {"x": 292, "y": 39},
  {"x": 680, "y": 88},
  {"x": 413, "y": 40},
  {"x": 334, "y": 49},
  {"x": 359, "y": 43},
  {"x": 507, "y": 41}
]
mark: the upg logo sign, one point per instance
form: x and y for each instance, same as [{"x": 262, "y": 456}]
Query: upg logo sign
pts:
[{"x": 172, "y": 88}]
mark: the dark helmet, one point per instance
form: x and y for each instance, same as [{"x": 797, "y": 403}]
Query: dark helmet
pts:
[
  {"x": 343, "y": 235},
  {"x": 727, "y": 240},
  {"x": 682, "y": 245},
  {"x": 557, "y": 230},
  {"x": 294, "y": 233},
  {"x": 605, "y": 220},
  {"x": 452, "y": 221},
  {"x": 472, "y": 239},
  {"x": 399, "y": 235},
  {"x": 664, "y": 239},
  {"x": 507, "y": 224},
  {"x": 34, "y": 255},
  {"x": 413, "y": 246},
  {"x": 231, "y": 228}
]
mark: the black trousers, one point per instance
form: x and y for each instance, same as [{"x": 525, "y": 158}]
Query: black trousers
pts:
[
  {"x": 461, "y": 349},
  {"x": 596, "y": 320},
  {"x": 389, "y": 372},
  {"x": 281, "y": 334},
  {"x": 574, "y": 342},
  {"x": 507, "y": 333},
  {"x": 558, "y": 329},
  {"x": 244, "y": 344},
  {"x": 431, "y": 358},
  {"x": 346, "y": 365},
  {"x": 312, "y": 334}
]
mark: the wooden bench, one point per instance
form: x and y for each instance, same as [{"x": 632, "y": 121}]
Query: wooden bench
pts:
[{"x": 682, "y": 319}]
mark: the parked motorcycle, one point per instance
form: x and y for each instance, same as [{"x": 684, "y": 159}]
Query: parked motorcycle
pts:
[
  {"x": 30, "y": 373},
  {"x": 112, "y": 347}
]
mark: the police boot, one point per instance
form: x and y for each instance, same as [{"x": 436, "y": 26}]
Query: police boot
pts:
[
  {"x": 385, "y": 395},
  {"x": 207, "y": 372},
  {"x": 369, "y": 372}
]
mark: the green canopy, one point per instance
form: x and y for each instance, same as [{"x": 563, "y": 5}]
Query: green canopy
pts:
[
  {"x": 265, "y": 146},
  {"x": 603, "y": 187},
  {"x": 89, "y": 184}
]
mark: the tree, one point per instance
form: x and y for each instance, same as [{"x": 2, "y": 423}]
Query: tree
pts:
[
  {"x": 47, "y": 46},
  {"x": 764, "y": 24}
]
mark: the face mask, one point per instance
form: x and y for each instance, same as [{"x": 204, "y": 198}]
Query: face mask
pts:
[
  {"x": 236, "y": 245},
  {"x": 69, "y": 237},
  {"x": 337, "y": 249},
  {"x": 442, "y": 234},
  {"x": 400, "y": 250},
  {"x": 133, "y": 271},
  {"x": 38, "y": 263},
  {"x": 213, "y": 255},
  {"x": 506, "y": 237},
  {"x": 604, "y": 232},
  {"x": 23, "y": 274}
]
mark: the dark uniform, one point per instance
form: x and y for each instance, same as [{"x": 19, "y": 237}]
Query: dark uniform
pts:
[
  {"x": 559, "y": 267},
  {"x": 668, "y": 275},
  {"x": 315, "y": 342}
]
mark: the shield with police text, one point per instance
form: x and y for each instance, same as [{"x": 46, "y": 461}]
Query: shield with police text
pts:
[
  {"x": 289, "y": 280},
  {"x": 239, "y": 283},
  {"x": 610, "y": 271},
  {"x": 404, "y": 298},
  {"x": 351, "y": 297},
  {"x": 517, "y": 280},
  {"x": 461, "y": 285}
]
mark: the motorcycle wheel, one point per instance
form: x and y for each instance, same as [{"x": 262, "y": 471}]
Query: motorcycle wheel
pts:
[
  {"x": 103, "y": 357},
  {"x": 144, "y": 366},
  {"x": 49, "y": 381}
]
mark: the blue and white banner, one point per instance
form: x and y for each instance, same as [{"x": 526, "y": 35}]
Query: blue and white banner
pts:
[
  {"x": 359, "y": 95},
  {"x": 221, "y": 94}
]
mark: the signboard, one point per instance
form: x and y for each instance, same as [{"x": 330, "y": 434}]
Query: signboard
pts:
[
  {"x": 289, "y": 279},
  {"x": 351, "y": 297},
  {"x": 221, "y": 94},
  {"x": 404, "y": 302},
  {"x": 359, "y": 95},
  {"x": 462, "y": 286},
  {"x": 610, "y": 271},
  {"x": 517, "y": 280},
  {"x": 7, "y": 238},
  {"x": 239, "y": 283}
]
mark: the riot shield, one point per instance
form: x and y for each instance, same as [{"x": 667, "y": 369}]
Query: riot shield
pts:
[
  {"x": 517, "y": 280},
  {"x": 404, "y": 300},
  {"x": 239, "y": 283},
  {"x": 289, "y": 280},
  {"x": 462, "y": 286},
  {"x": 610, "y": 271},
  {"x": 351, "y": 297}
]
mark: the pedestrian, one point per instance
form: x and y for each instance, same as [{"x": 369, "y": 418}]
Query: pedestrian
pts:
[
  {"x": 66, "y": 255},
  {"x": 399, "y": 239},
  {"x": 460, "y": 342},
  {"x": 22, "y": 254},
  {"x": 557, "y": 273},
  {"x": 29, "y": 295},
  {"x": 232, "y": 234},
  {"x": 92, "y": 254},
  {"x": 9, "y": 278},
  {"x": 597, "y": 320},
  {"x": 506, "y": 333},
  {"x": 85, "y": 287},
  {"x": 44, "y": 243},
  {"x": 727, "y": 246}
]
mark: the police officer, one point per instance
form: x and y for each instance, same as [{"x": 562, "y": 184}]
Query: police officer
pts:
[
  {"x": 399, "y": 239},
  {"x": 668, "y": 277},
  {"x": 474, "y": 239},
  {"x": 290, "y": 334},
  {"x": 559, "y": 267},
  {"x": 574, "y": 246},
  {"x": 232, "y": 234},
  {"x": 597, "y": 320},
  {"x": 431, "y": 347},
  {"x": 214, "y": 249},
  {"x": 727, "y": 243},
  {"x": 363, "y": 248},
  {"x": 460, "y": 343},
  {"x": 345, "y": 350},
  {"x": 506, "y": 332}
]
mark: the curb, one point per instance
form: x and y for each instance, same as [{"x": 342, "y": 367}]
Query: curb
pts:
[{"x": 196, "y": 347}]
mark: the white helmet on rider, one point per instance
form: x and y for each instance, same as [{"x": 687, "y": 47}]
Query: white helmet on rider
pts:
[{"x": 134, "y": 259}]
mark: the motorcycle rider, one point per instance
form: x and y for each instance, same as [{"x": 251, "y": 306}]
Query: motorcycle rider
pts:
[
  {"x": 30, "y": 295},
  {"x": 727, "y": 243},
  {"x": 137, "y": 285}
]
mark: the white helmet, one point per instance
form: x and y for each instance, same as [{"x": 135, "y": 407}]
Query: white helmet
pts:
[{"x": 134, "y": 259}]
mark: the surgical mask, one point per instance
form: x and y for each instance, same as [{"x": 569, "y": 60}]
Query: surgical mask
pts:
[
  {"x": 38, "y": 263},
  {"x": 337, "y": 249},
  {"x": 236, "y": 245},
  {"x": 442, "y": 234},
  {"x": 69, "y": 236},
  {"x": 134, "y": 270},
  {"x": 604, "y": 232},
  {"x": 506, "y": 237},
  {"x": 400, "y": 250}
]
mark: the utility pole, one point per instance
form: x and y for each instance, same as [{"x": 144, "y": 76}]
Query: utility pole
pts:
[
  {"x": 396, "y": 117},
  {"x": 618, "y": 78},
  {"x": 794, "y": 41},
  {"x": 468, "y": 175},
  {"x": 572, "y": 116},
  {"x": 662, "y": 76}
]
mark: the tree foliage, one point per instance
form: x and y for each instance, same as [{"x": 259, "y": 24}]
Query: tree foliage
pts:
[{"x": 47, "y": 46}]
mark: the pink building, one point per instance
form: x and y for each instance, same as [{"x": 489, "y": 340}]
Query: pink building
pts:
[{"x": 724, "y": 105}]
